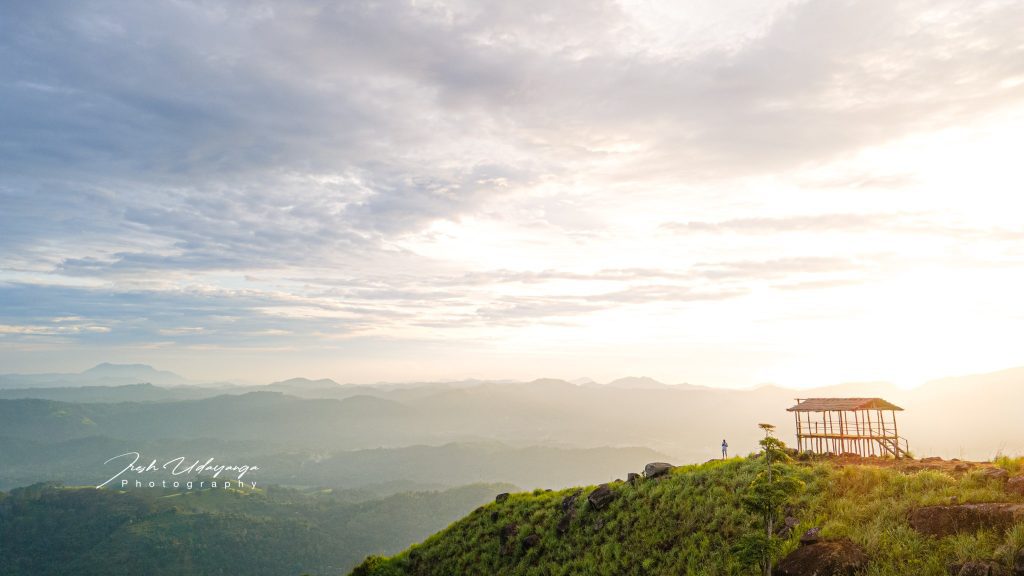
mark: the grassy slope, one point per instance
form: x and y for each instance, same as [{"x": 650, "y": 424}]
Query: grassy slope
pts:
[{"x": 688, "y": 523}]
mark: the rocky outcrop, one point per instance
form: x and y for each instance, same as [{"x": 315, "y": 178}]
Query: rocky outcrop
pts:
[
  {"x": 995, "y": 474},
  {"x": 655, "y": 469},
  {"x": 1015, "y": 485},
  {"x": 501, "y": 497},
  {"x": 825, "y": 558},
  {"x": 949, "y": 520},
  {"x": 600, "y": 497}
]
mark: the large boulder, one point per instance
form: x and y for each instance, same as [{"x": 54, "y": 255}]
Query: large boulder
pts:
[
  {"x": 949, "y": 520},
  {"x": 826, "y": 558},
  {"x": 655, "y": 469},
  {"x": 600, "y": 497},
  {"x": 501, "y": 497},
  {"x": 1015, "y": 485}
]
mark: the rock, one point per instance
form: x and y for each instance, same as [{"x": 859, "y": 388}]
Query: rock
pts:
[
  {"x": 961, "y": 468},
  {"x": 507, "y": 532},
  {"x": 531, "y": 541},
  {"x": 812, "y": 536},
  {"x": 787, "y": 526},
  {"x": 949, "y": 520},
  {"x": 975, "y": 568},
  {"x": 996, "y": 474},
  {"x": 632, "y": 478},
  {"x": 826, "y": 558},
  {"x": 569, "y": 502},
  {"x": 1015, "y": 485},
  {"x": 600, "y": 497},
  {"x": 655, "y": 469},
  {"x": 568, "y": 508},
  {"x": 507, "y": 538},
  {"x": 932, "y": 459},
  {"x": 501, "y": 497},
  {"x": 564, "y": 524}
]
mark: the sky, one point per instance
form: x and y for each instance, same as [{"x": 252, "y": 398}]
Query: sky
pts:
[{"x": 719, "y": 192}]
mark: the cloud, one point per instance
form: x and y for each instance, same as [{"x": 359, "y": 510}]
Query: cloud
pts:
[
  {"x": 905, "y": 223},
  {"x": 263, "y": 173},
  {"x": 811, "y": 223},
  {"x": 194, "y": 118}
]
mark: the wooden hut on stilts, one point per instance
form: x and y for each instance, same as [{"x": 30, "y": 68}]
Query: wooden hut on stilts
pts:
[{"x": 862, "y": 426}]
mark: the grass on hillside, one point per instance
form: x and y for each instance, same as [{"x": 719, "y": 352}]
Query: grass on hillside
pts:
[{"x": 689, "y": 523}]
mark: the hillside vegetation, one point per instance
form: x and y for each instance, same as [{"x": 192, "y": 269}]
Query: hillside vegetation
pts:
[
  {"x": 692, "y": 520},
  {"x": 48, "y": 529}
]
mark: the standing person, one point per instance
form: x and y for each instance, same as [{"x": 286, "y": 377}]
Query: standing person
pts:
[{"x": 725, "y": 449}]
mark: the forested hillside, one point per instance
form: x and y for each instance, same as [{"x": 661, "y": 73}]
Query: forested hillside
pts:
[{"x": 50, "y": 530}]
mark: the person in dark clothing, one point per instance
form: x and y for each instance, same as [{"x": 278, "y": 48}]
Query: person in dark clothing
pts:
[{"x": 725, "y": 449}]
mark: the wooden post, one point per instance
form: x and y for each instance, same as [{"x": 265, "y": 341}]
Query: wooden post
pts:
[
  {"x": 799, "y": 447},
  {"x": 896, "y": 434}
]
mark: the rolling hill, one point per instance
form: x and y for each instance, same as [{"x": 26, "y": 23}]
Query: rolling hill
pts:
[{"x": 873, "y": 517}]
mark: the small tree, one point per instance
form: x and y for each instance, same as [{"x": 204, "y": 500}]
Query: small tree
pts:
[{"x": 764, "y": 497}]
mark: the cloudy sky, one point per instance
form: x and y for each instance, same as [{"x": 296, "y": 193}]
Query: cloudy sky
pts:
[{"x": 725, "y": 192}]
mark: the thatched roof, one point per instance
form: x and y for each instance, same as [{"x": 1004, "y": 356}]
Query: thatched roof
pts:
[{"x": 841, "y": 404}]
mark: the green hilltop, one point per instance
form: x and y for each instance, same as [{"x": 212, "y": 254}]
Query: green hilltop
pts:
[{"x": 909, "y": 517}]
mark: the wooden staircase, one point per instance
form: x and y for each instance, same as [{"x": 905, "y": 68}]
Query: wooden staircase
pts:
[{"x": 894, "y": 446}]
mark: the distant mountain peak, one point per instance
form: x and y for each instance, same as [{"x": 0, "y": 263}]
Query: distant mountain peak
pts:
[
  {"x": 637, "y": 383},
  {"x": 131, "y": 374},
  {"x": 107, "y": 367},
  {"x": 305, "y": 383}
]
